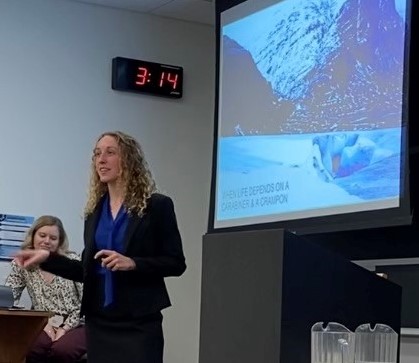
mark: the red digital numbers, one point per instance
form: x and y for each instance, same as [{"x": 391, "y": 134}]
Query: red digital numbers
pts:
[
  {"x": 142, "y": 76},
  {"x": 167, "y": 79},
  {"x": 170, "y": 78}
]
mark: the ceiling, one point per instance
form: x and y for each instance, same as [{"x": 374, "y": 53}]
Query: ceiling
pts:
[{"x": 199, "y": 11}]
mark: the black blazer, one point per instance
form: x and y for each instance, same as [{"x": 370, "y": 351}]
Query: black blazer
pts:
[{"x": 152, "y": 241}]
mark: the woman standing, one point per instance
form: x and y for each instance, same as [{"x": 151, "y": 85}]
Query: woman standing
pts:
[{"x": 132, "y": 243}]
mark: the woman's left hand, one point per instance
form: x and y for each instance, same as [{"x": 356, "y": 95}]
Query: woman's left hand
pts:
[
  {"x": 114, "y": 261},
  {"x": 59, "y": 333}
]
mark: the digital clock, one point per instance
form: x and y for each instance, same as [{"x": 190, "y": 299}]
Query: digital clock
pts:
[{"x": 147, "y": 77}]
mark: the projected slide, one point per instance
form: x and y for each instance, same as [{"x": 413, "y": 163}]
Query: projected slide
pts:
[{"x": 310, "y": 109}]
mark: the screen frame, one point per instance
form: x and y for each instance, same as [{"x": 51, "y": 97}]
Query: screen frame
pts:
[{"x": 336, "y": 224}]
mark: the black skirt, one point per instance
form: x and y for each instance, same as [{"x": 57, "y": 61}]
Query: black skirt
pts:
[{"x": 112, "y": 340}]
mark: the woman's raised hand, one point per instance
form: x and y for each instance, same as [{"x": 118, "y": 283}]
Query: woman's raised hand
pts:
[{"x": 30, "y": 258}]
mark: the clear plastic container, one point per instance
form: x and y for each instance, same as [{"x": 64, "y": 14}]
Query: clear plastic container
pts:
[
  {"x": 333, "y": 343},
  {"x": 378, "y": 344}
]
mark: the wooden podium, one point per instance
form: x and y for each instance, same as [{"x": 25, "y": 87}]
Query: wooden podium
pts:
[{"x": 18, "y": 330}]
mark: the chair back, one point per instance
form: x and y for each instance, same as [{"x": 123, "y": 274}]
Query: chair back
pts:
[{"x": 6, "y": 297}]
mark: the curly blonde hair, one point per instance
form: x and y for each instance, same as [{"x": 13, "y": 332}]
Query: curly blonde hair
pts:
[
  {"x": 42, "y": 222},
  {"x": 136, "y": 176}
]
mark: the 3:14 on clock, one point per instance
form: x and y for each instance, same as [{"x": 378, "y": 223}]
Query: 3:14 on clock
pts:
[
  {"x": 147, "y": 77},
  {"x": 165, "y": 78}
]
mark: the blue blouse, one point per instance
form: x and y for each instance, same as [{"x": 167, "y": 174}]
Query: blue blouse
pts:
[{"x": 110, "y": 236}]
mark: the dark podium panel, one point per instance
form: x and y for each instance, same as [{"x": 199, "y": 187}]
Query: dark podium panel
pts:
[{"x": 263, "y": 290}]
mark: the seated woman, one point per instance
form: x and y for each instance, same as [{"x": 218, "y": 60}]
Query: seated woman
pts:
[{"x": 63, "y": 338}]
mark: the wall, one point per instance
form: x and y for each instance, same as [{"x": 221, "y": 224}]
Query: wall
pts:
[{"x": 56, "y": 98}]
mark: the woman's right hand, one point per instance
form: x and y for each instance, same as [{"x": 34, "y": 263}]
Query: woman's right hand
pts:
[
  {"x": 49, "y": 330},
  {"x": 30, "y": 258}
]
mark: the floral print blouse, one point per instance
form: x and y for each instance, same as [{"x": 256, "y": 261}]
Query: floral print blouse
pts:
[{"x": 60, "y": 296}]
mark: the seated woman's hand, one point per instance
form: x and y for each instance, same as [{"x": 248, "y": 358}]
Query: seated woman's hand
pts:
[
  {"x": 114, "y": 261},
  {"x": 30, "y": 258},
  {"x": 50, "y": 331},
  {"x": 60, "y": 332}
]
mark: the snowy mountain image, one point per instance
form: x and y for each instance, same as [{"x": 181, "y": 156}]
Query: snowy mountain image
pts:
[{"x": 313, "y": 66}]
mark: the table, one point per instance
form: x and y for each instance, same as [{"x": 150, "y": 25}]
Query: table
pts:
[{"x": 18, "y": 330}]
